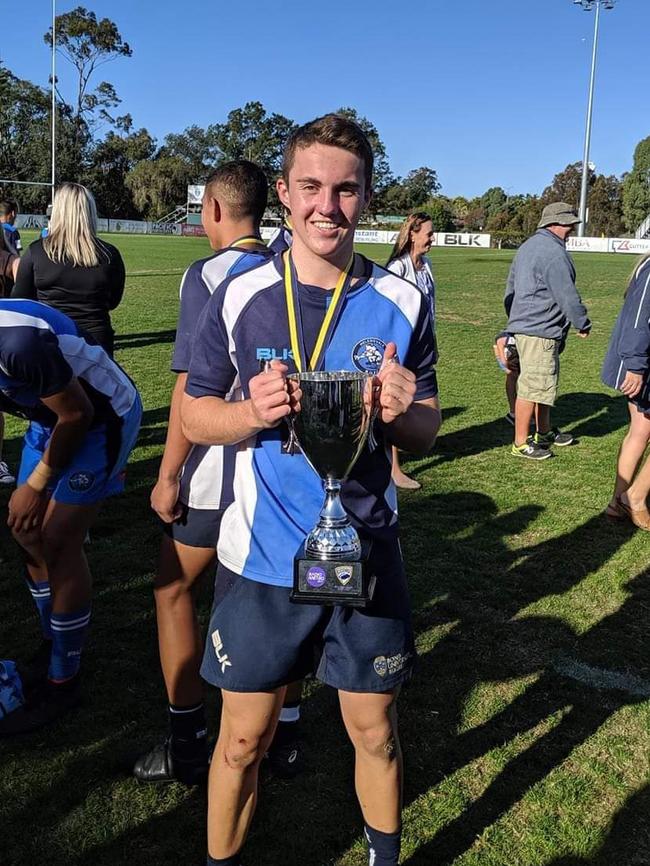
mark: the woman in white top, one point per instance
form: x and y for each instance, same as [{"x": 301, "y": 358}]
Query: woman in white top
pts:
[{"x": 408, "y": 260}]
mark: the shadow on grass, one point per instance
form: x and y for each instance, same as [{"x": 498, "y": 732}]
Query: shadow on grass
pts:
[
  {"x": 583, "y": 414},
  {"x": 146, "y": 338},
  {"x": 490, "y": 640},
  {"x": 467, "y": 585}
]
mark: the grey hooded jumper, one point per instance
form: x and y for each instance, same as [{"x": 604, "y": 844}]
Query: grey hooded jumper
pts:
[{"x": 541, "y": 298}]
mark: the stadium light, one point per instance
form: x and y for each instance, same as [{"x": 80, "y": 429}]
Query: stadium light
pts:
[{"x": 588, "y": 6}]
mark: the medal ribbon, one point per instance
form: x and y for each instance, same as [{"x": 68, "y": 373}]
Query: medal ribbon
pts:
[
  {"x": 332, "y": 314},
  {"x": 250, "y": 242}
]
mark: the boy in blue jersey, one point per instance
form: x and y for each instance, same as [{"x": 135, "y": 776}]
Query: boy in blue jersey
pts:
[
  {"x": 84, "y": 415},
  {"x": 8, "y": 214},
  {"x": 258, "y": 641},
  {"x": 195, "y": 482}
]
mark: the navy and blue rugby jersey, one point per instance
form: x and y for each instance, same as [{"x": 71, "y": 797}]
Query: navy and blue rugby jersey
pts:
[
  {"x": 207, "y": 480},
  {"x": 629, "y": 345},
  {"x": 12, "y": 238},
  {"x": 278, "y": 496},
  {"x": 41, "y": 349},
  {"x": 281, "y": 240}
]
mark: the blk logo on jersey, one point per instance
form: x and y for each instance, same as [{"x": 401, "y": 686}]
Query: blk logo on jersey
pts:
[
  {"x": 81, "y": 481},
  {"x": 272, "y": 354},
  {"x": 368, "y": 354}
]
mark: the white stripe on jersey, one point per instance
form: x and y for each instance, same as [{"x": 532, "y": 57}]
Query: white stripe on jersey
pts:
[
  {"x": 239, "y": 294},
  {"x": 237, "y": 522},
  {"x": 401, "y": 292},
  {"x": 92, "y": 364},
  {"x": 12, "y": 319}
]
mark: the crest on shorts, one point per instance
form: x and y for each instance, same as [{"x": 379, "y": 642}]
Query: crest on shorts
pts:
[
  {"x": 380, "y": 665},
  {"x": 81, "y": 481},
  {"x": 368, "y": 354},
  {"x": 343, "y": 574}
]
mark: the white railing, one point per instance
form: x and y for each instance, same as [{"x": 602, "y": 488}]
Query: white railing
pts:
[
  {"x": 176, "y": 216},
  {"x": 644, "y": 229}
]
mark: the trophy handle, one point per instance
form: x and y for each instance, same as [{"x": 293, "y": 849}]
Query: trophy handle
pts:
[{"x": 290, "y": 446}]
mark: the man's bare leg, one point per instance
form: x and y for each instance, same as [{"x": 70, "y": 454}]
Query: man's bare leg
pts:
[{"x": 247, "y": 725}]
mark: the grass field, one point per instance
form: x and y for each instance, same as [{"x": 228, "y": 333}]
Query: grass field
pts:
[{"x": 526, "y": 729}]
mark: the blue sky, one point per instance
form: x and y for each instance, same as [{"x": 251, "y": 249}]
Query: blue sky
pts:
[{"x": 486, "y": 92}]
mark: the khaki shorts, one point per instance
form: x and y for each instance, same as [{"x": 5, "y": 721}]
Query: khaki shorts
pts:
[{"x": 539, "y": 362}]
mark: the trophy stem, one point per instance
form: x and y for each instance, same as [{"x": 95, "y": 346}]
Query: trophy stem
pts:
[{"x": 333, "y": 537}]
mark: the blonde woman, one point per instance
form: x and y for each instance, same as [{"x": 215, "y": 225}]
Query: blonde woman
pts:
[
  {"x": 408, "y": 260},
  {"x": 72, "y": 269},
  {"x": 627, "y": 368}
]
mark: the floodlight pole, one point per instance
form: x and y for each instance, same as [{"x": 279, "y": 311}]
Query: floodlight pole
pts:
[
  {"x": 588, "y": 5},
  {"x": 53, "y": 160}
]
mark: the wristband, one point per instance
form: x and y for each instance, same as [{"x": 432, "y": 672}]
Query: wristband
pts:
[{"x": 40, "y": 477}]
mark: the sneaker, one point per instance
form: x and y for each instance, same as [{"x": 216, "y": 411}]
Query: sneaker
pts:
[
  {"x": 530, "y": 450},
  {"x": 5, "y": 475},
  {"x": 160, "y": 766},
  {"x": 553, "y": 437},
  {"x": 285, "y": 760},
  {"x": 44, "y": 706}
]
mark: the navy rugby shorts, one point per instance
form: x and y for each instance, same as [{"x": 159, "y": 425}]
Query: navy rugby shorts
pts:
[
  {"x": 196, "y": 527},
  {"x": 259, "y": 640}
]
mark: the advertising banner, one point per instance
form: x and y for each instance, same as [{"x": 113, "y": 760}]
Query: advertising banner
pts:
[
  {"x": 165, "y": 228},
  {"x": 587, "y": 245},
  {"x": 130, "y": 227},
  {"x": 636, "y": 246},
  {"x": 192, "y": 231},
  {"x": 462, "y": 239}
]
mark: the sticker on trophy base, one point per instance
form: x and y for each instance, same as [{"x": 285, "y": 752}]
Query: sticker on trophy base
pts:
[{"x": 325, "y": 581}]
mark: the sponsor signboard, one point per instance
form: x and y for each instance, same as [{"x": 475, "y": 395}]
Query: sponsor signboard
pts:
[
  {"x": 462, "y": 239},
  {"x": 130, "y": 227},
  {"x": 165, "y": 228},
  {"x": 636, "y": 246},
  {"x": 587, "y": 245},
  {"x": 192, "y": 231}
]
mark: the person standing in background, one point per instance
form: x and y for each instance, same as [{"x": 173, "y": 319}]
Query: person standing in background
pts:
[
  {"x": 72, "y": 269},
  {"x": 626, "y": 368},
  {"x": 8, "y": 214},
  {"x": 408, "y": 260},
  {"x": 8, "y": 269},
  {"x": 542, "y": 303}
]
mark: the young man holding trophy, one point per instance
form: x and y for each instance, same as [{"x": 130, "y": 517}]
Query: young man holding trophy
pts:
[{"x": 348, "y": 351}]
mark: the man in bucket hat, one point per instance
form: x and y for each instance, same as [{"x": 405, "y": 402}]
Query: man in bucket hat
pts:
[{"x": 542, "y": 303}]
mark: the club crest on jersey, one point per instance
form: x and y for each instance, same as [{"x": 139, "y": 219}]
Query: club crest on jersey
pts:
[
  {"x": 368, "y": 353},
  {"x": 81, "y": 481}
]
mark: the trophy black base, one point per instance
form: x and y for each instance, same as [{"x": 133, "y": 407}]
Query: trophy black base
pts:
[{"x": 333, "y": 581}]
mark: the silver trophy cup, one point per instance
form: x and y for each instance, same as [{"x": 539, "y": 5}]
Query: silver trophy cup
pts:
[{"x": 331, "y": 429}]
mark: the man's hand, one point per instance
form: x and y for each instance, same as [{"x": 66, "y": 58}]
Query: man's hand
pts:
[
  {"x": 583, "y": 334},
  {"x": 500, "y": 350},
  {"x": 632, "y": 384},
  {"x": 26, "y": 508},
  {"x": 164, "y": 499},
  {"x": 397, "y": 387},
  {"x": 273, "y": 396}
]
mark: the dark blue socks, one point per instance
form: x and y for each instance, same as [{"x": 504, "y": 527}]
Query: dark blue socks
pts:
[
  {"x": 68, "y": 635},
  {"x": 383, "y": 848}
]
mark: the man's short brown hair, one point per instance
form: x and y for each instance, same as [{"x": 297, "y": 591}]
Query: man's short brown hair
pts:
[
  {"x": 241, "y": 186},
  {"x": 7, "y": 206},
  {"x": 334, "y": 130}
]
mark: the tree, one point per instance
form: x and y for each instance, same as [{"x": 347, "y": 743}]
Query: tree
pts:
[
  {"x": 197, "y": 147},
  {"x": 493, "y": 202},
  {"x": 87, "y": 44},
  {"x": 566, "y": 185},
  {"x": 251, "y": 133},
  {"x": 441, "y": 213},
  {"x": 606, "y": 207},
  {"x": 636, "y": 187},
  {"x": 158, "y": 185},
  {"x": 110, "y": 162},
  {"x": 382, "y": 175},
  {"x": 419, "y": 185}
]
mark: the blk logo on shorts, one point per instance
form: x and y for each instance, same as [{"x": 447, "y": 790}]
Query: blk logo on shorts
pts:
[
  {"x": 81, "y": 481},
  {"x": 368, "y": 354},
  {"x": 222, "y": 657}
]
